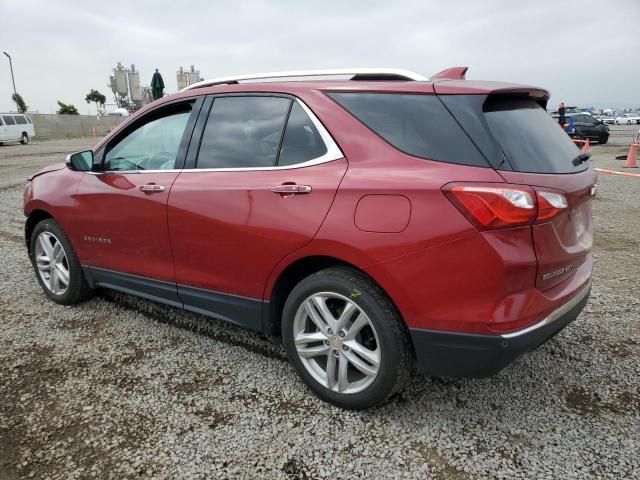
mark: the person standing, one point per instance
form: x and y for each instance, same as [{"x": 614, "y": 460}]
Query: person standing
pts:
[{"x": 561, "y": 112}]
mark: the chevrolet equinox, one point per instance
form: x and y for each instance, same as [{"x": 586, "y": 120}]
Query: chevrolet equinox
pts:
[{"x": 375, "y": 220}]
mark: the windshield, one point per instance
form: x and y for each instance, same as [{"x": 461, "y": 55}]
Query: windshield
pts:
[{"x": 531, "y": 140}]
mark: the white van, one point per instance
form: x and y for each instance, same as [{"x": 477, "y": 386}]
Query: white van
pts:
[{"x": 16, "y": 127}]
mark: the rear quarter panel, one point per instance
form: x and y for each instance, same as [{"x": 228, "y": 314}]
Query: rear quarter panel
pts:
[{"x": 377, "y": 168}]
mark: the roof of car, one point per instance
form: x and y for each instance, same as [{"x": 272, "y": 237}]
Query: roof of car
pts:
[
  {"x": 468, "y": 87},
  {"x": 448, "y": 82}
]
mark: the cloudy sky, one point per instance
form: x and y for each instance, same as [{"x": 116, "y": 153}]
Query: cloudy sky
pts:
[{"x": 585, "y": 52}]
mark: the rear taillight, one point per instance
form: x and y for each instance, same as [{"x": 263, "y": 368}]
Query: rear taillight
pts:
[
  {"x": 503, "y": 205},
  {"x": 550, "y": 204}
]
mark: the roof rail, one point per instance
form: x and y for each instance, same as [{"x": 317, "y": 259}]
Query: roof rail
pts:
[{"x": 354, "y": 73}]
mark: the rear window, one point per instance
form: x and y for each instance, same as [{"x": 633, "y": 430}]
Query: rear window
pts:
[
  {"x": 416, "y": 124},
  {"x": 531, "y": 140},
  {"x": 301, "y": 141}
]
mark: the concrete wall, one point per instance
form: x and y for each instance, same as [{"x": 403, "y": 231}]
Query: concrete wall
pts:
[{"x": 54, "y": 126}]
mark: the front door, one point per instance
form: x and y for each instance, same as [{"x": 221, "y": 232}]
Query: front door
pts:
[
  {"x": 122, "y": 209},
  {"x": 259, "y": 192}
]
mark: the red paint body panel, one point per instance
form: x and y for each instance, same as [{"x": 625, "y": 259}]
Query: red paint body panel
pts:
[
  {"x": 53, "y": 191},
  {"x": 111, "y": 207},
  {"x": 468, "y": 286},
  {"x": 566, "y": 240},
  {"x": 228, "y": 229},
  {"x": 383, "y": 213}
]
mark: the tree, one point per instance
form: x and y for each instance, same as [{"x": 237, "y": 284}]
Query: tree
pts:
[
  {"x": 67, "y": 109},
  {"x": 22, "y": 106},
  {"x": 99, "y": 99}
]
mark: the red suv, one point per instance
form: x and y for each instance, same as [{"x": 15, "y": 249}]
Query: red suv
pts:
[{"x": 375, "y": 220}]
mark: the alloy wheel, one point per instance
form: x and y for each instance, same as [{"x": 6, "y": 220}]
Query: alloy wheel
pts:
[
  {"x": 52, "y": 263},
  {"x": 337, "y": 342}
]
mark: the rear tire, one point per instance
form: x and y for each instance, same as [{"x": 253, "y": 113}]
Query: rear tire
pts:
[
  {"x": 56, "y": 265},
  {"x": 366, "y": 359},
  {"x": 25, "y": 139},
  {"x": 603, "y": 140}
]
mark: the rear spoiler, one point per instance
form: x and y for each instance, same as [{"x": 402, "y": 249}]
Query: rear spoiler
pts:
[
  {"x": 453, "y": 81},
  {"x": 453, "y": 73},
  {"x": 448, "y": 86}
]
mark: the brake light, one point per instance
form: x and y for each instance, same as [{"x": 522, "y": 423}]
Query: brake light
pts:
[
  {"x": 550, "y": 204},
  {"x": 504, "y": 206}
]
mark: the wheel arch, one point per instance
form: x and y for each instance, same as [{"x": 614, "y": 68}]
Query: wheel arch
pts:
[
  {"x": 291, "y": 275},
  {"x": 35, "y": 217}
]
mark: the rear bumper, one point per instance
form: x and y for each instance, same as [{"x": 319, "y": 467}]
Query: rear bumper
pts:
[{"x": 454, "y": 354}]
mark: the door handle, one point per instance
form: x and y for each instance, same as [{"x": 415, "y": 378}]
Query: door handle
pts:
[
  {"x": 288, "y": 189},
  {"x": 151, "y": 188}
]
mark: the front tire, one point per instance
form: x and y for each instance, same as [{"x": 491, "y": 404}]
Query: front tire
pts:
[
  {"x": 56, "y": 265},
  {"x": 24, "y": 139},
  {"x": 346, "y": 339}
]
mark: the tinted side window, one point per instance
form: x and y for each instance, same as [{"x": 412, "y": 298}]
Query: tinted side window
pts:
[
  {"x": 20, "y": 120},
  {"x": 152, "y": 146},
  {"x": 417, "y": 124},
  {"x": 302, "y": 141},
  {"x": 243, "y": 132},
  {"x": 8, "y": 120}
]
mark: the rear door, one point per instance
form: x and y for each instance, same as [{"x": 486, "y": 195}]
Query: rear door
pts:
[
  {"x": 540, "y": 154},
  {"x": 266, "y": 172}
]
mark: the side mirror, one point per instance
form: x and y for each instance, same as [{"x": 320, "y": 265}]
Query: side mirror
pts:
[{"x": 80, "y": 161}]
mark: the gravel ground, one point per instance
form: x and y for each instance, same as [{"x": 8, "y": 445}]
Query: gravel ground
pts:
[{"x": 124, "y": 388}]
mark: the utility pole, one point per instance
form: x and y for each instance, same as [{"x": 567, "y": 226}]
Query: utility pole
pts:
[{"x": 15, "y": 94}]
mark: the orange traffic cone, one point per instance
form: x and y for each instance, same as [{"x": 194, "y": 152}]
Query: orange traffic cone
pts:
[
  {"x": 632, "y": 156},
  {"x": 585, "y": 147}
]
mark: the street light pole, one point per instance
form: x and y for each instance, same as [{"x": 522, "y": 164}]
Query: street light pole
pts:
[{"x": 15, "y": 94}]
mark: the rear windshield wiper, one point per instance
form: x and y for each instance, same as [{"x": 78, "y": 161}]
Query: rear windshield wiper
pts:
[{"x": 583, "y": 157}]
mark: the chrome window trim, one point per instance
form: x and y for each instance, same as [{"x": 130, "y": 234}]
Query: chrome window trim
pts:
[
  {"x": 333, "y": 153},
  {"x": 120, "y": 172},
  {"x": 402, "y": 74},
  {"x": 553, "y": 316}
]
